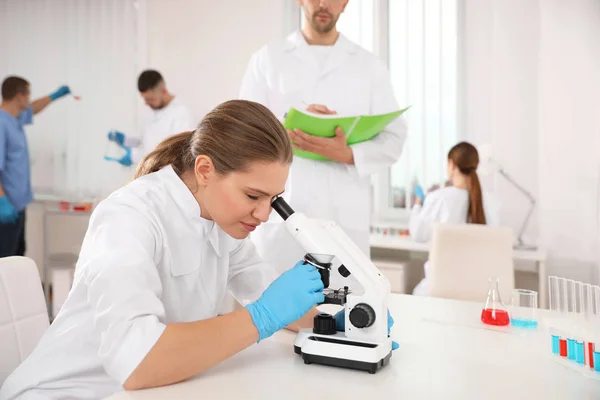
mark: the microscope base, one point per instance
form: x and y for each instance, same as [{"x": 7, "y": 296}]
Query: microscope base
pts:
[{"x": 338, "y": 351}]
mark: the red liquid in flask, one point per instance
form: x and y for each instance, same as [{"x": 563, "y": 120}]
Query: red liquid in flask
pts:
[
  {"x": 591, "y": 354},
  {"x": 494, "y": 312},
  {"x": 495, "y": 317}
]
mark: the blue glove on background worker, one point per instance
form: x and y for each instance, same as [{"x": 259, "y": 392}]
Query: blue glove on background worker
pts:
[
  {"x": 340, "y": 324},
  {"x": 420, "y": 194},
  {"x": 119, "y": 138},
  {"x": 8, "y": 212},
  {"x": 60, "y": 92},
  {"x": 287, "y": 299}
]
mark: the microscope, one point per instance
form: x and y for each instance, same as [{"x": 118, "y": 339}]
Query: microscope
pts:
[{"x": 365, "y": 345}]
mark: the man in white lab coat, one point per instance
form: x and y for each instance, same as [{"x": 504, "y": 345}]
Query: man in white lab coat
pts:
[
  {"x": 167, "y": 116},
  {"x": 321, "y": 71}
]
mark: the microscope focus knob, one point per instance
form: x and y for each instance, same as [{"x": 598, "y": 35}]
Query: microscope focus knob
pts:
[
  {"x": 324, "y": 324},
  {"x": 362, "y": 315}
]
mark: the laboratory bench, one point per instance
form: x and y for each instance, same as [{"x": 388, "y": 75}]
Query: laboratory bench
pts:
[{"x": 445, "y": 352}]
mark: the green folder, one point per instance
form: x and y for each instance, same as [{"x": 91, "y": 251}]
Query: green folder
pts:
[{"x": 357, "y": 129}]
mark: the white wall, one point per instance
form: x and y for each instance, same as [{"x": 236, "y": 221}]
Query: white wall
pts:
[
  {"x": 569, "y": 129},
  {"x": 500, "y": 95},
  {"x": 532, "y": 87},
  {"x": 203, "y": 47}
]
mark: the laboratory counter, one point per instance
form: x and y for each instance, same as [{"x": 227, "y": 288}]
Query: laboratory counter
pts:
[{"x": 445, "y": 352}]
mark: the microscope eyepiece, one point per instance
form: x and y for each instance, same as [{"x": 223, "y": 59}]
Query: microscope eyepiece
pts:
[{"x": 282, "y": 208}]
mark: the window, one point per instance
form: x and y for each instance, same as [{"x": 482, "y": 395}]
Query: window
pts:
[
  {"x": 419, "y": 40},
  {"x": 422, "y": 52}
]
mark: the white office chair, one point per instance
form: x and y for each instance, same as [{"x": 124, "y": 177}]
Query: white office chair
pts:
[
  {"x": 23, "y": 312},
  {"x": 464, "y": 257}
]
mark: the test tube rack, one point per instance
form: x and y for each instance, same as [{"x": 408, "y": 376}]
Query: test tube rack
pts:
[{"x": 574, "y": 326}]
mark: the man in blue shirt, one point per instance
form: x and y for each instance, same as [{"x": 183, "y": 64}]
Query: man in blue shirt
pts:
[{"x": 16, "y": 111}]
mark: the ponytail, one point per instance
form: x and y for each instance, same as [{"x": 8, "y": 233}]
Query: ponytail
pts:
[
  {"x": 465, "y": 157},
  {"x": 174, "y": 150},
  {"x": 475, "y": 214}
]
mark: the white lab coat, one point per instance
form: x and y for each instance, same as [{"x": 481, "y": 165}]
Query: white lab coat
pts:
[
  {"x": 447, "y": 205},
  {"x": 352, "y": 82},
  {"x": 148, "y": 259},
  {"x": 158, "y": 125}
]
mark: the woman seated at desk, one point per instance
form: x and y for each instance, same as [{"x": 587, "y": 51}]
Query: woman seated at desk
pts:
[
  {"x": 462, "y": 202},
  {"x": 158, "y": 258}
]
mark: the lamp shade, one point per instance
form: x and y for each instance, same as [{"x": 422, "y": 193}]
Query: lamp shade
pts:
[{"x": 487, "y": 164}]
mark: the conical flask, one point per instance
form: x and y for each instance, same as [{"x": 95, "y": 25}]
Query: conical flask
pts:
[{"x": 494, "y": 312}]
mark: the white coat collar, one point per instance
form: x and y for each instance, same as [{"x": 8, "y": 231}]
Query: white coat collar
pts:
[
  {"x": 342, "y": 49},
  {"x": 188, "y": 205}
]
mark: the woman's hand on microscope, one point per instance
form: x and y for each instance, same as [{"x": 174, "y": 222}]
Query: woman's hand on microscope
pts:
[{"x": 287, "y": 299}]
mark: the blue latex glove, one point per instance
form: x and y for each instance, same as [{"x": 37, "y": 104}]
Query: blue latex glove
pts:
[
  {"x": 340, "y": 324},
  {"x": 8, "y": 212},
  {"x": 287, "y": 299},
  {"x": 60, "y": 92},
  {"x": 125, "y": 160},
  {"x": 117, "y": 137},
  {"x": 419, "y": 193}
]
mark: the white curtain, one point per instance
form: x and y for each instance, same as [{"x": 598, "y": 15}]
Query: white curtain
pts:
[
  {"x": 423, "y": 64},
  {"x": 94, "y": 47}
]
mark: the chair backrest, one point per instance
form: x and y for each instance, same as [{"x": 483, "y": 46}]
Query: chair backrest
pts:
[
  {"x": 464, "y": 257},
  {"x": 23, "y": 312}
]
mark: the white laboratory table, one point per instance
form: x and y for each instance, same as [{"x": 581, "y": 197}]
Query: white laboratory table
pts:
[
  {"x": 445, "y": 353},
  {"x": 538, "y": 257},
  {"x": 50, "y": 207}
]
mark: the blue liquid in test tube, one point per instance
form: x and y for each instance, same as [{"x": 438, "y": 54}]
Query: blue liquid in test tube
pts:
[
  {"x": 580, "y": 353},
  {"x": 555, "y": 344},
  {"x": 571, "y": 348}
]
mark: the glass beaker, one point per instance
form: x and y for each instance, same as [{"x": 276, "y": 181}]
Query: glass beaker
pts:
[
  {"x": 494, "y": 312},
  {"x": 523, "y": 308}
]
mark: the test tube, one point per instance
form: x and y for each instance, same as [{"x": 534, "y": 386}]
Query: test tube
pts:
[
  {"x": 571, "y": 317},
  {"x": 588, "y": 303},
  {"x": 596, "y": 338},
  {"x": 555, "y": 307},
  {"x": 579, "y": 324},
  {"x": 564, "y": 311}
]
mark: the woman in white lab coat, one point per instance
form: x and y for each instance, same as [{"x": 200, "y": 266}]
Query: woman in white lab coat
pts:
[
  {"x": 462, "y": 202},
  {"x": 158, "y": 258}
]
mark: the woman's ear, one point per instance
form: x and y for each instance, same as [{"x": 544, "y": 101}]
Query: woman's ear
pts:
[{"x": 203, "y": 169}]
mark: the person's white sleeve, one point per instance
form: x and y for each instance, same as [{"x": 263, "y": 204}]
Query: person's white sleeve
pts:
[
  {"x": 124, "y": 287},
  {"x": 423, "y": 217},
  {"x": 132, "y": 141},
  {"x": 249, "y": 275},
  {"x": 254, "y": 84},
  {"x": 137, "y": 148},
  {"x": 386, "y": 148}
]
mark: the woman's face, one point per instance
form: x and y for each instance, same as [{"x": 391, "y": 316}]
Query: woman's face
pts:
[{"x": 240, "y": 201}]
